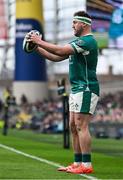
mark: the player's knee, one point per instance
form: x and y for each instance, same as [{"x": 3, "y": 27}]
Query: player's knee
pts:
[
  {"x": 78, "y": 127},
  {"x": 81, "y": 124},
  {"x": 78, "y": 123}
]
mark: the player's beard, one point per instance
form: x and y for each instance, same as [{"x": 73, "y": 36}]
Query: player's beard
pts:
[{"x": 78, "y": 32}]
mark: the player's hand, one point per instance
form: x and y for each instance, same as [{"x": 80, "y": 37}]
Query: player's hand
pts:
[
  {"x": 28, "y": 35},
  {"x": 34, "y": 38}
]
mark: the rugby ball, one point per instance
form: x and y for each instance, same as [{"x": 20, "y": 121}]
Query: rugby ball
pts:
[{"x": 29, "y": 47}]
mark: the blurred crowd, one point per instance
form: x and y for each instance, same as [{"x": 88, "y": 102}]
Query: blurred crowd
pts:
[
  {"x": 47, "y": 116},
  {"x": 110, "y": 108}
]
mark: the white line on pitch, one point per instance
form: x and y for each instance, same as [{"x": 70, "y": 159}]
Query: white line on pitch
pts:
[{"x": 41, "y": 160}]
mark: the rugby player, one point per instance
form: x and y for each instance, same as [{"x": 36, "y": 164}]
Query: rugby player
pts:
[{"x": 83, "y": 57}]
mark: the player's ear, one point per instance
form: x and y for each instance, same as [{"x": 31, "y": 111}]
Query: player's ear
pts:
[{"x": 84, "y": 25}]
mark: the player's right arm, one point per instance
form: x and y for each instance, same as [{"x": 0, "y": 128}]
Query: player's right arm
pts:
[{"x": 50, "y": 56}]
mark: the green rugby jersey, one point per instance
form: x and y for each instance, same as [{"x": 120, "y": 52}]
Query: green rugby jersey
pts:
[{"x": 82, "y": 65}]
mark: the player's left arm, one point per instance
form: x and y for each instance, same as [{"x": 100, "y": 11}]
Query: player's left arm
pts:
[{"x": 52, "y": 48}]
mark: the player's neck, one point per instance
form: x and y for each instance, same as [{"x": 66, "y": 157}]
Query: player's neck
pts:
[{"x": 86, "y": 32}]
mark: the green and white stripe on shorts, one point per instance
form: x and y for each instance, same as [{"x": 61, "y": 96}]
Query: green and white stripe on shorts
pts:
[{"x": 84, "y": 102}]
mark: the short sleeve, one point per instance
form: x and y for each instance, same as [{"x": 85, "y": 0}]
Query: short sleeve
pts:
[{"x": 79, "y": 45}]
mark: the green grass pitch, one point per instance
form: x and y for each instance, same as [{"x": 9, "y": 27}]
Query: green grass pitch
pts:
[{"x": 107, "y": 157}]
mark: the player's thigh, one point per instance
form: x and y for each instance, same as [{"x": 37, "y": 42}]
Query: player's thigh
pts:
[{"x": 82, "y": 120}]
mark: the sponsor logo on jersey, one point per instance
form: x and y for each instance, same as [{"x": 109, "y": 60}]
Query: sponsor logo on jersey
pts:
[{"x": 80, "y": 42}]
